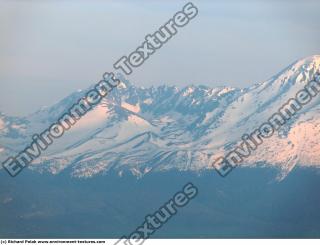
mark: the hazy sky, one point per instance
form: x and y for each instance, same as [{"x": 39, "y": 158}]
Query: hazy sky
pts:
[{"x": 49, "y": 49}]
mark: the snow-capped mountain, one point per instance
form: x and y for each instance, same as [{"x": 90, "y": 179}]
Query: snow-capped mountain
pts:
[{"x": 140, "y": 129}]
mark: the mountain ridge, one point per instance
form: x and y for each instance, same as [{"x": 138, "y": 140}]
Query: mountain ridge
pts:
[{"x": 163, "y": 128}]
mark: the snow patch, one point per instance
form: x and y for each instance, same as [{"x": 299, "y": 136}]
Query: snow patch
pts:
[
  {"x": 129, "y": 107},
  {"x": 148, "y": 101},
  {"x": 188, "y": 91}
]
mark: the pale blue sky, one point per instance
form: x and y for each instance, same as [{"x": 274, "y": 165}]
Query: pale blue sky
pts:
[{"x": 49, "y": 49}]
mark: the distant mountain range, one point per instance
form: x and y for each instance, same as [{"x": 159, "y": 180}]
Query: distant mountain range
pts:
[{"x": 165, "y": 128}]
